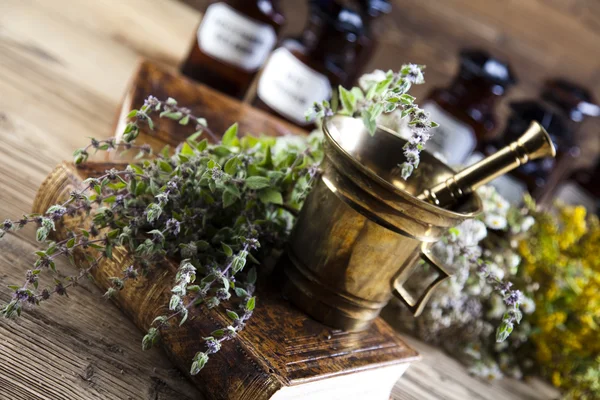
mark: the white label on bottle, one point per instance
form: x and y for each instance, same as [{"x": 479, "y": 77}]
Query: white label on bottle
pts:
[
  {"x": 290, "y": 87},
  {"x": 573, "y": 194},
  {"x": 453, "y": 139},
  {"x": 510, "y": 188},
  {"x": 235, "y": 39}
]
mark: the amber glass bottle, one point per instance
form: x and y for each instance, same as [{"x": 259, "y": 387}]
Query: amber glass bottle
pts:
[
  {"x": 582, "y": 188},
  {"x": 574, "y": 181},
  {"x": 304, "y": 70},
  {"x": 466, "y": 109},
  {"x": 367, "y": 42},
  {"x": 233, "y": 41},
  {"x": 534, "y": 176}
]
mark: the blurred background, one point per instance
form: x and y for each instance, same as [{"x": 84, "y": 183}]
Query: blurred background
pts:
[
  {"x": 540, "y": 39},
  {"x": 535, "y": 42}
]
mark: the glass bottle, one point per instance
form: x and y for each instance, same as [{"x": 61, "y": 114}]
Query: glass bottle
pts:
[
  {"x": 573, "y": 182},
  {"x": 304, "y": 70},
  {"x": 535, "y": 176},
  {"x": 367, "y": 42},
  {"x": 233, "y": 41},
  {"x": 466, "y": 109},
  {"x": 582, "y": 188}
]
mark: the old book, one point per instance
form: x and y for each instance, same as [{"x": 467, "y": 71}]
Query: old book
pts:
[{"x": 282, "y": 354}]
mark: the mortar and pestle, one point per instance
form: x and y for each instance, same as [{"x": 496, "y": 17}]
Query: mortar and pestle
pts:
[{"x": 363, "y": 227}]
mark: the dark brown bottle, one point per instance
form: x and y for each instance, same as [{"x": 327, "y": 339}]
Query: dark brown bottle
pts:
[
  {"x": 233, "y": 41},
  {"x": 582, "y": 188},
  {"x": 535, "y": 176},
  {"x": 367, "y": 42},
  {"x": 570, "y": 182},
  {"x": 304, "y": 70},
  {"x": 466, "y": 110}
]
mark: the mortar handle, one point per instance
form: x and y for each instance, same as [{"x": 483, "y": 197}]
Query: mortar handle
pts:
[{"x": 417, "y": 306}]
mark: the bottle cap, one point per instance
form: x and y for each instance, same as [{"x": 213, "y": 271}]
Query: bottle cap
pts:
[
  {"x": 574, "y": 100},
  {"x": 481, "y": 64},
  {"x": 374, "y": 8},
  {"x": 343, "y": 19}
]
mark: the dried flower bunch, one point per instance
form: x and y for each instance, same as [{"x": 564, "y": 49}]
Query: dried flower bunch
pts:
[
  {"x": 561, "y": 257},
  {"x": 480, "y": 264},
  {"x": 213, "y": 207}
]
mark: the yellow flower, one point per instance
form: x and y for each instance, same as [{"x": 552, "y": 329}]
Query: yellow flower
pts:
[
  {"x": 562, "y": 256},
  {"x": 556, "y": 381}
]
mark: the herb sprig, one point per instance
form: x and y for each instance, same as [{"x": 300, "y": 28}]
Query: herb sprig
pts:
[
  {"x": 217, "y": 208},
  {"x": 384, "y": 92}
]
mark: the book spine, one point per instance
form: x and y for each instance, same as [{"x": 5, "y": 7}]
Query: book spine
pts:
[{"x": 235, "y": 372}]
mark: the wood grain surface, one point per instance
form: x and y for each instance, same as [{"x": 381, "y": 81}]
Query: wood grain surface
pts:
[{"x": 64, "y": 66}]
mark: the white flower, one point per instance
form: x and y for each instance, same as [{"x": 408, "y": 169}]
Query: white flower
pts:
[
  {"x": 498, "y": 307},
  {"x": 527, "y": 223},
  {"x": 368, "y": 80},
  {"x": 514, "y": 260},
  {"x": 527, "y": 305},
  {"x": 501, "y": 204},
  {"x": 474, "y": 290},
  {"x": 496, "y": 271},
  {"x": 444, "y": 252},
  {"x": 496, "y": 222},
  {"x": 471, "y": 232},
  {"x": 287, "y": 142}
]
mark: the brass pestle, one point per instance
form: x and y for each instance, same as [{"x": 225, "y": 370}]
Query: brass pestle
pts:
[{"x": 533, "y": 144}]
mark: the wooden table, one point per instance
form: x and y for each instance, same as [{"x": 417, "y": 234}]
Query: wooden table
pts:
[{"x": 64, "y": 66}]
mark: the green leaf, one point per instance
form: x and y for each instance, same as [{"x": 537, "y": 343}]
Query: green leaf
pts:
[
  {"x": 185, "y": 313},
  {"x": 228, "y": 198},
  {"x": 233, "y": 315},
  {"x": 407, "y": 99},
  {"x": 348, "y": 100},
  {"x": 251, "y": 304},
  {"x": 164, "y": 166},
  {"x": 176, "y": 116},
  {"x": 217, "y": 333},
  {"x": 230, "y": 136},
  {"x": 267, "y": 162},
  {"x": 270, "y": 196},
  {"x": 241, "y": 292},
  {"x": 200, "y": 360},
  {"x": 227, "y": 250},
  {"x": 375, "y": 111},
  {"x": 251, "y": 276},
  {"x": 187, "y": 150},
  {"x": 194, "y": 136},
  {"x": 184, "y": 120},
  {"x": 382, "y": 86},
  {"x": 70, "y": 243},
  {"x": 231, "y": 165},
  {"x": 174, "y": 302},
  {"x": 238, "y": 264},
  {"x": 257, "y": 182},
  {"x": 202, "y": 145},
  {"x": 369, "y": 122},
  {"x": 358, "y": 93}
]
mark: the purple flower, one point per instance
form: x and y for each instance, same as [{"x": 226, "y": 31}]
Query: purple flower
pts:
[
  {"x": 7, "y": 224},
  {"x": 173, "y": 226},
  {"x": 513, "y": 298}
]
